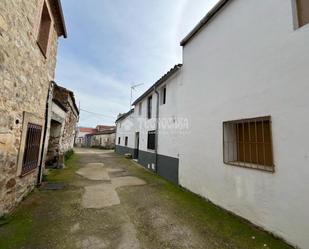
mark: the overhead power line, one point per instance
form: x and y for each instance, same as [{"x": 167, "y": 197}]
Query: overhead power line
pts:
[{"x": 98, "y": 114}]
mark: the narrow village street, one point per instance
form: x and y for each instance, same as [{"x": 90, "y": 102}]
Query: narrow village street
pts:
[{"x": 107, "y": 201}]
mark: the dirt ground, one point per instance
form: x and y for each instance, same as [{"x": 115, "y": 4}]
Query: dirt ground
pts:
[{"x": 111, "y": 202}]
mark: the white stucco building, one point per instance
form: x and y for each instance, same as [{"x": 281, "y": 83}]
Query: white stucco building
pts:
[{"x": 237, "y": 115}]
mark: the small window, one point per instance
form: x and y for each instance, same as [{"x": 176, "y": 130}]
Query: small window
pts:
[
  {"x": 149, "y": 107},
  {"x": 151, "y": 143},
  {"x": 140, "y": 106},
  {"x": 163, "y": 96},
  {"x": 32, "y": 148},
  {"x": 126, "y": 141},
  {"x": 119, "y": 140},
  {"x": 248, "y": 143},
  {"x": 44, "y": 30},
  {"x": 303, "y": 12}
]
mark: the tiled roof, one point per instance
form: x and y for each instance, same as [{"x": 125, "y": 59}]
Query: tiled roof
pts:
[
  {"x": 159, "y": 82},
  {"x": 123, "y": 116},
  {"x": 86, "y": 129}
]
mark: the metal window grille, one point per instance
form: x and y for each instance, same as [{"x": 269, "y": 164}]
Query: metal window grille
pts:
[
  {"x": 151, "y": 143},
  {"x": 32, "y": 148},
  {"x": 248, "y": 143}
]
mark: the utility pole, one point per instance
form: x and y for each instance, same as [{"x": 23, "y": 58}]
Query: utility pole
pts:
[{"x": 133, "y": 87}]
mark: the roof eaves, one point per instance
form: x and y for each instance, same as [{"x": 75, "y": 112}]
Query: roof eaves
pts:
[
  {"x": 123, "y": 116},
  {"x": 204, "y": 21},
  {"x": 159, "y": 82},
  {"x": 65, "y": 34}
]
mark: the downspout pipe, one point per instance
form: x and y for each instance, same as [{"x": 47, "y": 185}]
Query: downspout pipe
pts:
[
  {"x": 157, "y": 128},
  {"x": 49, "y": 96}
]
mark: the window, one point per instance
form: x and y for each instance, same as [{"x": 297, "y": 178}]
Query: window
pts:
[
  {"x": 151, "y": 143},
  {"x": 163, "y": 96},
  {"x": 32, "y": 148},
  {"x": 44, "y": 30},
  {"x": 248, "y": 143},
  {"x": 140, "y": 106},
  {"x": 149, "y": 107},
  {"x": 119, "y": 140},
  {"x": 126, "y": 141},
  {"x": 303, "y": 12}
]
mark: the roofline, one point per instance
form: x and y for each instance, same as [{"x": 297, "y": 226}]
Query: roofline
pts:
[
  {"x": 65, "y": 34},
  {"x": 206, "y": 19},
  {"x": 159, "y": 82},
  {"x": 123, "y": 116},
  {"x": 108, "y": 132},
  {"x": 60, "y": 105},
  {"x": 71, "y": 93}
]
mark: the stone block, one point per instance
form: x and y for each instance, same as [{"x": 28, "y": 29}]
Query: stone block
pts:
[
  {"x": 3, "y": 24},
  {"x": 11, "y": 183}
]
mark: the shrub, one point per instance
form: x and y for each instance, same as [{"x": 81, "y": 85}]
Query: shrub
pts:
[{"x": 68, "y": 155}]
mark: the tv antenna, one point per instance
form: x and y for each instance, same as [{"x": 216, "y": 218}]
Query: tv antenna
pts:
[{"x": 133, "y": 88}]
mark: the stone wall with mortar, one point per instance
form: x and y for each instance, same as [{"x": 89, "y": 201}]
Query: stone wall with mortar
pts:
[
  {"x": 24, "y": 75},
  {"x": 67, "y": 100}
]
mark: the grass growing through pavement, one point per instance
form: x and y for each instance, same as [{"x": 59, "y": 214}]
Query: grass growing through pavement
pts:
[
  {"x": 64, "y": 175},
  {"x": 207, "y": 216},
  {"x": 33, "y": 215},
  {"x": 16, "y": 229}
]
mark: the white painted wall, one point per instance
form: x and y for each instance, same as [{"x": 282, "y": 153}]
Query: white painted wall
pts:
[
  {"x": 169, "y": 119},
  {"x": 250, "y": 62}
]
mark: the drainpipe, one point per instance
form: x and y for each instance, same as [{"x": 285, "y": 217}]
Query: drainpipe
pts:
[
  {"x": 157, "y": 128},
  {"x": 51, "y": 86}
]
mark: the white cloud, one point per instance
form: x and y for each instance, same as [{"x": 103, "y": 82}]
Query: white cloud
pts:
[{"x": 113, "y": 44}]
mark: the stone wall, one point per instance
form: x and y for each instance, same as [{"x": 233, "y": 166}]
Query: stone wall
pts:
[
  {"x": 69, "y": 130},
  {"x": 24, "y": 75},
  {"x": 105, "y": 141}
]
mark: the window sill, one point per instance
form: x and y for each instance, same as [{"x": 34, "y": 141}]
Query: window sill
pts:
[
  {"x": 42, "y": 52},
  {"x": 269, "y": 169},
  {"x": 22, "y": 175}
]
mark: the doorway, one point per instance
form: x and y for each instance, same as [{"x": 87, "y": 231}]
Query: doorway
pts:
[{"x": 136, "y": 152}]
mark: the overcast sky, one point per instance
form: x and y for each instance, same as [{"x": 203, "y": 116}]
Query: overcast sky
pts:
[{"x": 114, "y": 43}]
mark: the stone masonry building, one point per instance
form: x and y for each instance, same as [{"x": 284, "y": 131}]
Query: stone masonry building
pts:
[
  {"x": 29, "y": 31},
  {"x": 62, "y": 120}
]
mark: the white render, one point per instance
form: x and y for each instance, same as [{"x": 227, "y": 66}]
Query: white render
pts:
[{"x": 249, "y": 61}]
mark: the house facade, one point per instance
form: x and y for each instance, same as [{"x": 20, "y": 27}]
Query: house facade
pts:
[
  {"x": 241, "y": 98},
  {"x": 62, "y": 120},
  {"x": 102, "y": 136},
  {"x": 80, "y": 140},
  {"x": 28, "y": 46},
  {"x": 104, "y": 139},
  {"x": 147, "y": 132}
]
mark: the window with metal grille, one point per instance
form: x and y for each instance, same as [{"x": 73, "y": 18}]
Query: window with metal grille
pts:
[
  {"x": 151, "y": 143},
  {"x": 44, "y": 30},
  {"x": 248, "y": 143},
  {"x": 149, "y": 107},
  {"x": 126, "y": 141},
  {"x": 32, "y": 148},
  {"x": 303, "y": 12}
]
